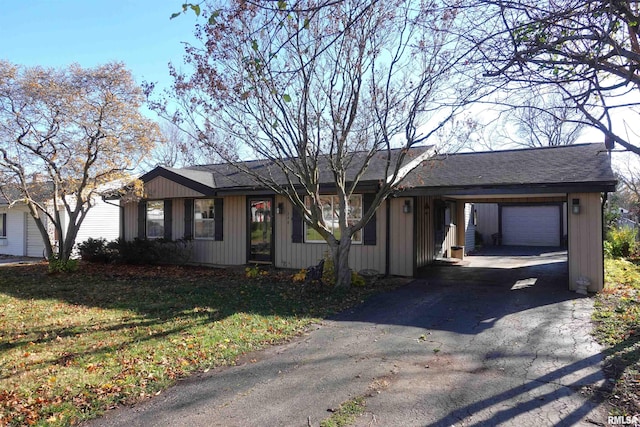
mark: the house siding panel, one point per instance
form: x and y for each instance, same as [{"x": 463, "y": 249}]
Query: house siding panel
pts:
[
  {"x": 401, "y": 239},
  {"x": 162, "y": 188},
  {"x": 424, "y": 231},
  {"x": 585, "y": 241},
  {"x": 130, "y": 221},
  {"x": 34, "y": 242},
  {"x": 300, "y": 255},
  {"x": 230, "y": 251},
  {"x": 487, "y": 223},
  {"x": 14, "y": 242},
  {"x": 470, "y": 228},
  {"x": 94, "y": 224}
]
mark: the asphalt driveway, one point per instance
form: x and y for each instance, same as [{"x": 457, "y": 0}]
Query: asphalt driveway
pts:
[{"x": 481, "y": 345}]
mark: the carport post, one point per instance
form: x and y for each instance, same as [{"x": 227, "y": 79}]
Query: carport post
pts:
[{"x": 585, "y": 240}]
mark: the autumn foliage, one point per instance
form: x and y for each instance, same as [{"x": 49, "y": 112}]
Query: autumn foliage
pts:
[{"x": 66, "y": 135}]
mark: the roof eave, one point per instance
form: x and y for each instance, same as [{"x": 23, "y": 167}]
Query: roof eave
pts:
[{"x": 585, "y": 187}]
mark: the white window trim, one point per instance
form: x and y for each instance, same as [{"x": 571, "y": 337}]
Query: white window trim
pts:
[
  {"x": 334, "y": 196},
  {"x": 213, "y": 220}
]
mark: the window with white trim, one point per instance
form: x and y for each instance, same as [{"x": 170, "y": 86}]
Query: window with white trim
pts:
[
  {"x": 155, "y": 219},
  {"x": 331, "y": 216},
  {"x": 204, "y": 219}
]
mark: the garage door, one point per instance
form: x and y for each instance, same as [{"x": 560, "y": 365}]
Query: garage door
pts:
[{"x": 531, "y": 225}]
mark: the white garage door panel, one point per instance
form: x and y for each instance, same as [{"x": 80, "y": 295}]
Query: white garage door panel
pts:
[{"x": 531, "y": 225}]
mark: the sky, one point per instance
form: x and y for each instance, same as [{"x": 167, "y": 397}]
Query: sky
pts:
[{"x": 56, "y": 33}]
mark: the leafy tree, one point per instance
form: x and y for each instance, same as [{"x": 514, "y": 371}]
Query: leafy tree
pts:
[
  {"x": 77, "y": 129},
  {"x": 320, "y": 87},
  {"x": 588, "y": 50}
]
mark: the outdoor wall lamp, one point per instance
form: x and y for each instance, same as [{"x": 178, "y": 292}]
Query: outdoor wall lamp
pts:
[
  {"x": 280, "y": 208},
  {"x": 575, "y": 206},
  {"x": 406, "y": 208}
]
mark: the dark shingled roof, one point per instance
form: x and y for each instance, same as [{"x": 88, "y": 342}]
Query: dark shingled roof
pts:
[
  {"x": 40, "y": 191},
  {"x": 223, "y": 176},
  {"x": 580, "y": 164},
  {"x": 577, "y": 167}
]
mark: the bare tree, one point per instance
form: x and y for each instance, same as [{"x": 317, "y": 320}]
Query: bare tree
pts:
[
  {"x": 77, "y": 128},
  {"x": 322, "y": 88},
  {"x": 533, "y": 120},
  {"x": 589, "y": 51},
  {"x": 176, "y": 148}
]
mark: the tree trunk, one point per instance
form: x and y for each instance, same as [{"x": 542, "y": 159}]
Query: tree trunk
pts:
[{"x": 342, "y": 271}]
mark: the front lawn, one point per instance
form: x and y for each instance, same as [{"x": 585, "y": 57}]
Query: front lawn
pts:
[
  {"x": 72, "y": 346},
  {"x": 617, "y": 318}
]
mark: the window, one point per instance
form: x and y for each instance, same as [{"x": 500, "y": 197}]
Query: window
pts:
[
  {"x": 3, "y": 225},
  {"x": 330, "y": 214},
  {"x": 155, "y": 219},
  {"x": 204, "y": 219}
]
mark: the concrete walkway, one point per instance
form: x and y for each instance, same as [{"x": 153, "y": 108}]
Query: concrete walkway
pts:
[
  {"x": 465, "y": 346},
  {"x": 10, "y": 260}
]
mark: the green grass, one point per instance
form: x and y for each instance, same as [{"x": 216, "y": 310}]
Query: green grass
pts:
[
  {"x": 75, "y": 345},
  {"x": 617, "y": 320},
  {"x": 346, "y": 414}
]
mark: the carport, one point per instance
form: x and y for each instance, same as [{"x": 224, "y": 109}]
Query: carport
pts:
[{"x": 574, "y": 180}]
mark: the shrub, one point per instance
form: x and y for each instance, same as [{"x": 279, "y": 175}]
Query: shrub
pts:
[
  {"x": 328, "y": 274},
  {"x": 56, "y": 265},
  {"x": 96, "y": 250},
  {"x": 620, "y": 243},
  {"x": 137, "y": 251},
  {"x": 357, "y": 280},
  {"x": 157, "y": 251},
  {"x": 300, "y": 276}
]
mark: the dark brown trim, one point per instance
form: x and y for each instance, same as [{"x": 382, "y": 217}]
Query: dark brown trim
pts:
[
  {"x": 520, "y": 189},
  {"x": 178, "y": 179},
  {"x": 273, "y": 230}
]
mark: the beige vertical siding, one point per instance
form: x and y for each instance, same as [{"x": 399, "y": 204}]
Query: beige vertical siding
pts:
[
  {"x": 301, "y": 255},
  {"x": 130, "y": 221},
  {"x": 487, "y": 221},
  {"x": 424, "y": 231},
  {"x": 162, "y": 188},
  {"x": 401, "y": 238},
  {"x": 450, "y": 239},
  {"x": 232, "y": 250},
  {"x": 585, "y": 240}
]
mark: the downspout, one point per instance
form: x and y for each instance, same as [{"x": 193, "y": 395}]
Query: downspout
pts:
[
  {"x": 387, "y": 240},
  {"x": 121, "y": 215}
]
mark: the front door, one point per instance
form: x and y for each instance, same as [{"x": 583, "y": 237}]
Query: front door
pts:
[{"x": 260, "y": 230}]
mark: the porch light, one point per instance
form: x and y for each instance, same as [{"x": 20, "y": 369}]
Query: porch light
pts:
[
  {"x": 406, "y": 208},
  {"x": 280, "y": 208},
  {"x": 575, "y": 206}
]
